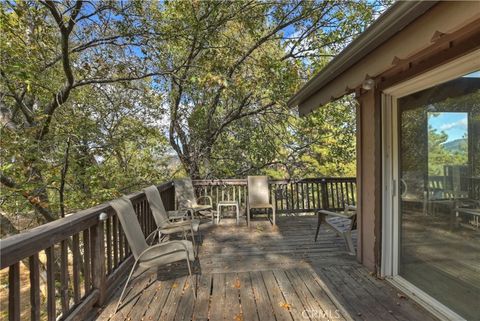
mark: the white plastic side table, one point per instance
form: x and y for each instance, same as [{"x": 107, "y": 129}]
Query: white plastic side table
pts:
[{"x": 227, "y": 204}]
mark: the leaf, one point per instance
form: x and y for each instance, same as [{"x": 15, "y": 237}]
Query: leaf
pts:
[
  {"x": 286, "y": 306},
  {"x": 238, "y": 317},
  {"x": 237, "y": 284}
]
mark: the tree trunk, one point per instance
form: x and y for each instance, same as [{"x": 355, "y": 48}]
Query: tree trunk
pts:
[{"x": 6, "y": 227}]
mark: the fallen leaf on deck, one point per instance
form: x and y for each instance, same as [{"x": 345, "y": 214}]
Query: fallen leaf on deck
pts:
[
  {"x": 286, "y": 306},
  {"x": 401, "y": 296},
  {"x": 174, "y": 285},
  {"x": 237, "y": 284},
  {"x": 238, "y": 317}
]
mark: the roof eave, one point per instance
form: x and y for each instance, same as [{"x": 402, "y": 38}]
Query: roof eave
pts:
[{"x": 397, "y": 17}]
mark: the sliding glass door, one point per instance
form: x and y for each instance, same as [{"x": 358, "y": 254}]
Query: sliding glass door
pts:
[{"x": 439, "y": 184}]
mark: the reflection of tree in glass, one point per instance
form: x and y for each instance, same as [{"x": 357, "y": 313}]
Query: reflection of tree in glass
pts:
[
  {"x": 440, "y": 154},
  {"x": 469, "y": 103}
]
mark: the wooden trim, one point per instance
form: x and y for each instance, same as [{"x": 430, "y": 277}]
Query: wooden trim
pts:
[
  {"x": 378, "y": 180},
  {"x": 359, "y": 178},
  {"x": 449, "y": 48},
  {"x": 447, "y": 71}
]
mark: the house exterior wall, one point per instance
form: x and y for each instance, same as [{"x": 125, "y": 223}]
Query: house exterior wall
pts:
[
  {"x": 369, "y": 135},
  {"x": 369, "y": 174}
]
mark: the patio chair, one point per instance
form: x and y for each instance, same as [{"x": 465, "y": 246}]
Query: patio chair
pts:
[
  {"x": 185, "y": 195},
  {"x": 170, "y": 222},
  {"x": 149, "y": 256},
  {"x": 259, "y": 196},
  {"x": 342, "y": 223}
]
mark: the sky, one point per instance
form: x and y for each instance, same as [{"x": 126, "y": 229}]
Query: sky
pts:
[{"x": 455, "y": 125}]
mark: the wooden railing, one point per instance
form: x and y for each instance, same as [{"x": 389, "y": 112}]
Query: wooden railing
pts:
[
  {"x": 290, "y": 196},
  {"x": 469, "y": 186},
  {"x": 75, "y": 261}
]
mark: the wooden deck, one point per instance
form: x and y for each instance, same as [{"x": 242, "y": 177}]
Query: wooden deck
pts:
[{"x": 265, "y": 273}]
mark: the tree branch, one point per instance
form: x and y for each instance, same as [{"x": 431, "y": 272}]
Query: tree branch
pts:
[{"x": 34, "y": 201}]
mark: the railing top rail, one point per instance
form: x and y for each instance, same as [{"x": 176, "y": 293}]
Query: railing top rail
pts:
[
  {"x": 25, "y": 244},
  {"x": 313, "y": 180},
  {"x": 243, "y": 181},
  {"x": 228, "y": 181}
]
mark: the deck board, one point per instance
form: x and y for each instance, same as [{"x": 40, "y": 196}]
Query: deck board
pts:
[{"x": 264, "y": 273}]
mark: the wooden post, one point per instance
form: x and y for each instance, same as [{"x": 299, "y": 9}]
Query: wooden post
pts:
[
  {"x": 34, "y": 287},
  {"x": 323, "y": 186},
  {"x": 98, "y": 261},
  {"x": 51, "y": 310},
  {"x": 14, "y": 292}
]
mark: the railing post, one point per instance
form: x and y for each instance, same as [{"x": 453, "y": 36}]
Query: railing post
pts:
[
  {"x": 323, "y": 188},
  {"x": 14, "y": 292},
  {"x": 98, "y": 260}
]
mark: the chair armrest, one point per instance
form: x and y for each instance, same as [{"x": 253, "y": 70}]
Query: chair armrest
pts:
[
  {"x": 351, "y": 208},
  {"x": 337, "y": 214},
  {"x": 210, "y": 201},
  {"x": 174, "y": 221},
  {"x": 150, "y": 248},
  {"x": 178, "y": 215},
  {"x": 152, "y": 234}
]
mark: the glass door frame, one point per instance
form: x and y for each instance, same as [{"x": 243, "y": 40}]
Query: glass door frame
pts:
[{"x": 390, "y": 175}]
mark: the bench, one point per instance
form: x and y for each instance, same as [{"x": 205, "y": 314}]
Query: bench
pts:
[{"x": 342, "y": 223}]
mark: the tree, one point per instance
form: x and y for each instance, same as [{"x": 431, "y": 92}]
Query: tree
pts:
[
  {"x": 242, "y": 59},
  {"x": 53, "y": 53},
  {"x": 92, "y": 94}
]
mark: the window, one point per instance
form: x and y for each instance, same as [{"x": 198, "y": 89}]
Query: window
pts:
[{"x": 439, "y": 205}]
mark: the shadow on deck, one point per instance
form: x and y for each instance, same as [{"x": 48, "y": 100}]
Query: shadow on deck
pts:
[{"x": 265, "y": 273}]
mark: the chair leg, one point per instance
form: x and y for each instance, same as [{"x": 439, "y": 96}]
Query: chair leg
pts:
[
  {"x": 125, "y": 287},
  {"x": 195, "y": 249},
  {"x": 248, "y": 216},
  {"x": 191, "y": 277},
  {"x": 320, "y": 220},
  {"x": 273, "y": 213},
  {"x": 347, "y": 236},
  {"x": 238, "y": 214}
]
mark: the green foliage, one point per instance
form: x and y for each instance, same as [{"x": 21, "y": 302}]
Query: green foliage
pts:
[
  {"x": 101, "y": 98},
  {"x": 235, "y": 65}
]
